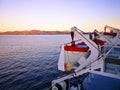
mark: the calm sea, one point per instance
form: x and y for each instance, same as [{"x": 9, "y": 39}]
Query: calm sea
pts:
[{"x": 29, "y": 62}]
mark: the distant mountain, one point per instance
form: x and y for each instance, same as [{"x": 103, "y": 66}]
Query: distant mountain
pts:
[{"x": 34, "y": 32}]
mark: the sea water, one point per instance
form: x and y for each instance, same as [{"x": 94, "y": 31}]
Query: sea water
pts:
[{"x": 29, "y": 62}]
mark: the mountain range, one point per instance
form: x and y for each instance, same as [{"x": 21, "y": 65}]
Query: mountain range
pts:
[{"x": 34, "y": 32}]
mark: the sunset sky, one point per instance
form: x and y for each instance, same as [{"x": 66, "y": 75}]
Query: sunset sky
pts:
[{"x": 58, "y": 14}]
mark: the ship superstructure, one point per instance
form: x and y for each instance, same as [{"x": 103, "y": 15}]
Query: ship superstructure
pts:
[{"x": 92, "y": 55}]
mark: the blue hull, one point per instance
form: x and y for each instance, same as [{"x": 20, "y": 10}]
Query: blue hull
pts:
[{"x": 99, "y": 82}]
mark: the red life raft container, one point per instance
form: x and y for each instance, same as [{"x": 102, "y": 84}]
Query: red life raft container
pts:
[{"x": 80, "y": 47}]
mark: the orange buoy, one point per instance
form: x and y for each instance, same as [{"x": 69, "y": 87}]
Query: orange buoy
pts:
[{"x": 67, "y": 67}]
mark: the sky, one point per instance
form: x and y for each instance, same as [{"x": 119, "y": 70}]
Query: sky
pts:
[{"x": 87, "y": 15}]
